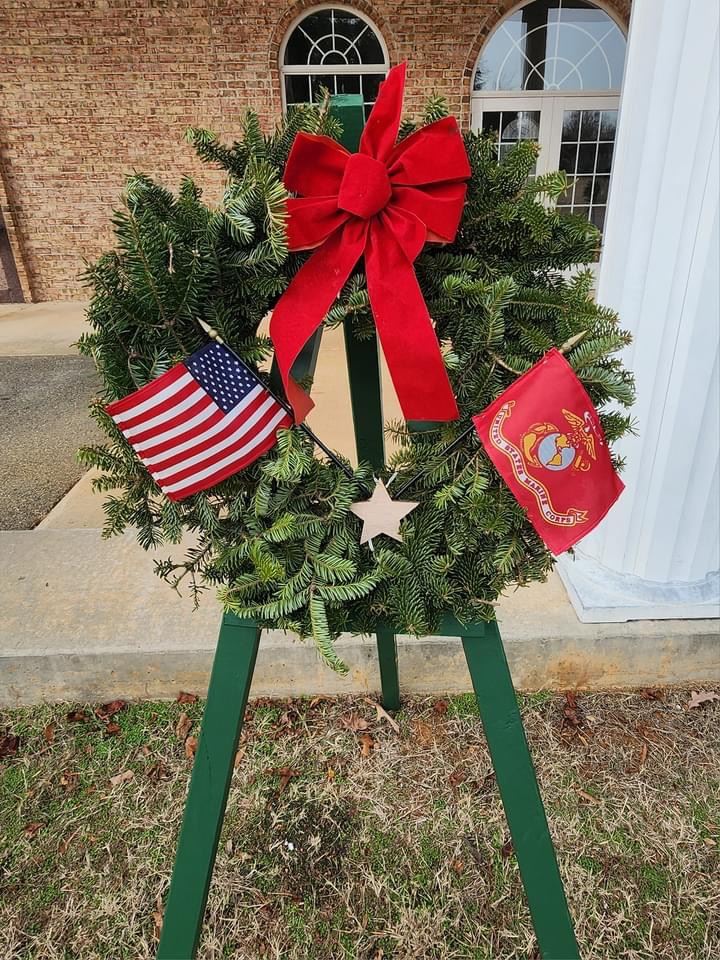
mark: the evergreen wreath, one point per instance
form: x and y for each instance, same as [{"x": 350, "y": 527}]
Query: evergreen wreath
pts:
[{"x": 278, "y": 539}]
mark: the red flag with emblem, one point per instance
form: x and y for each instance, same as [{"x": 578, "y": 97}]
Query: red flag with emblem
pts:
[{"x": 544, "y": 436}]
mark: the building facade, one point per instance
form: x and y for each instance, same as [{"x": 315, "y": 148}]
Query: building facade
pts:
[{"x": 91, "y": 90}]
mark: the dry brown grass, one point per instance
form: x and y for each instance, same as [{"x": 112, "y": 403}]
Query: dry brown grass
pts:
[{"x": 399, "y": 854}]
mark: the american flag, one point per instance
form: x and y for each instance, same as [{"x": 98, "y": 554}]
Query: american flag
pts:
[{"x": 200, "y": 422}]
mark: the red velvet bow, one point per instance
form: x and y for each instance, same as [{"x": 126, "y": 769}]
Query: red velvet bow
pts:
[{"x": 384, "y": 202}]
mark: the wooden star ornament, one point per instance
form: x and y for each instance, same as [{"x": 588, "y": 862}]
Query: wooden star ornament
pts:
[{"x": 381, "y": 514}]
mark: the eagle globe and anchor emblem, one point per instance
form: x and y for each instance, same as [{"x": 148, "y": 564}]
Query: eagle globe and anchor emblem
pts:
[{"x": 546, "y": 445}]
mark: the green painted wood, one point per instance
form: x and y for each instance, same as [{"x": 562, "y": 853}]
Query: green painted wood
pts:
[
  {"x": 363, "y": 363},
  {"x": 519, "y": 791},
  {"x": 389, "y": 680},
  {"x": 209, "y": 785}
]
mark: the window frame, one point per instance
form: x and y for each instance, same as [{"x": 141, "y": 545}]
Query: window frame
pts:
[{"x": 330, "y": 68}]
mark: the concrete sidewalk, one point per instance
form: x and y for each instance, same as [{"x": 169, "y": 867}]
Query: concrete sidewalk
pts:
[{"x": 84, "y": 618}]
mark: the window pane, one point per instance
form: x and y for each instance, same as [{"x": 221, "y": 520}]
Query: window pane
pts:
[
  {"x": 600, "y": 189},
  {"x": 597, "y": 216},
  {"x": 586, "y": 158},
  {"x": 297, "y": 89},
  {"x": 333, "y": 36},
  {"x": 553, "y": 45},
  {"x": 370, "y": 86},
  {"x": 368, "y": 46},
  {"x": 604, "y": 158},
  {"x": 568, "y": 157},
  {"x": 608, "y": 124},
  {"x": 590, "y": 125},
  {"x": 583, "y": 190},
  {"x": 319, "y": 83},
  {"x": 347, "y": 83}
]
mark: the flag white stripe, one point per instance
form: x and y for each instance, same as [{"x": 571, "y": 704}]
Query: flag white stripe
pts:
[
  {"x": 154, "y": 400},
  {"x": 220, "y": 464},
  {"x": 201, "y": 437},
  {"x": 162, "y": 418},
  {"x": 190, "y": 461},
  {"x": 208, "y": 411}
]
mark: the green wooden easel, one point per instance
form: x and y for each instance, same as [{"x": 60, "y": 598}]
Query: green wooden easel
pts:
[{"x": 232, "y": 674}]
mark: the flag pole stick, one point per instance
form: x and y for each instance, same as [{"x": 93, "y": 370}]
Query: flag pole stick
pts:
[
  {"x": 443, "y": 453},
  {"x": 214, "y": 335}
]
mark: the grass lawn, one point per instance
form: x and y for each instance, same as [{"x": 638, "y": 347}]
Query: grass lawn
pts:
[{"x": 345, "y": 838}]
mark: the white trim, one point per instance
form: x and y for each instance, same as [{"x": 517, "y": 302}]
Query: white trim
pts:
[{"x": 321, "y": 69}]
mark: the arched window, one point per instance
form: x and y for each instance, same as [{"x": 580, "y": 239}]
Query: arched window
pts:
[
  {"x": 551, "y": 71},
  {"x": 333, "y": 47}
]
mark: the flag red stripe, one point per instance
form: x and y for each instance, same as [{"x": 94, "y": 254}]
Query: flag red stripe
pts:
[
  {"x": 184, "y": 473},
  {"x": 160, "y": 408},
  {"x": 148, "y": 391},
  {"x": 201, "y": 431},
  {"x": 267, "y": 444},
  {"x": 203, "y": 404},
  {"x": 236, "y": 425}
]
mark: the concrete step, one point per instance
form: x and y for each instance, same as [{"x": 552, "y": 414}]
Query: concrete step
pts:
[{"x": 84, "y": 618}]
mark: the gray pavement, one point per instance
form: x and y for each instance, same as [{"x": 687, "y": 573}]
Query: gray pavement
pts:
[{"x": 43, "y": 420}]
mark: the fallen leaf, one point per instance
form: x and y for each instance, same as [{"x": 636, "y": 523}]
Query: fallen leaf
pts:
[
  {"x": 643, "y": 755},
  {"x": 709, "y": 842},
  {"x": 383, "y": 714},
  {"x": 697, "y": 699},
  {"x": 157, "y": 771},
  {"x": 330, "y": 774},
  {"x": 353, "y": 721},
  {"x": 652, "y": 693},
  {"x": 424, "y": 733},
  {"x": 125, "y": 777},
  {"x": 587, "y": 797},
  {"x": 238, "y": 757},
  {"x": 507, "y": 849},
  {"x": 457, "y": 777},
  {"x": 112, "y": 729},
  {"x": 107, "y": 710},
  {"x": 183, "y": 697},
  {"x": 31, "y": 829},
  {"x": 440, "y": 707},
  {"x": 457, "y": 866},
  {"x": 286, "y": 774},
  {"x": 9, "y": 745},
  {"x": 69, "y": 781},
  {"x": 229, "y": 848},
  {"x": 472, "y": 849},
  {"x": 367, "y": 744},
  {"x": 49, "y": 732},
  {"x": 183, "y": 726},
  {"x": 77, "y": 716},
  {"x": 572, "y": 714},
  {"x": 190, "y": 747},
  {"x": 158, "y": 918}
]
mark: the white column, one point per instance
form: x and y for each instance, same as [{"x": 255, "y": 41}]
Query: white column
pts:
[{"x": 656, "y": 553}]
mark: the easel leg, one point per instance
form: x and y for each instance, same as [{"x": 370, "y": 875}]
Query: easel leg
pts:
[
  {"x": 519, "y": 791},
  {"x": 209, "y": 785},
  {"x": 387, "y": 655}
]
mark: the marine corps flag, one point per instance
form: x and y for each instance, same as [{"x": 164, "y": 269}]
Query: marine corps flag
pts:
[{"x": 544, "y": 436}]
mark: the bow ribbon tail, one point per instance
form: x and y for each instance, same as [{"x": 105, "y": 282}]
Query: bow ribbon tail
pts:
[
  {"x": 303, "y": 306},
  {"x": 405, "y": 329}
]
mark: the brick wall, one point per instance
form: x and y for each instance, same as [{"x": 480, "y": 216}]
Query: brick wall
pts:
[{"x": 93, "y": 89}]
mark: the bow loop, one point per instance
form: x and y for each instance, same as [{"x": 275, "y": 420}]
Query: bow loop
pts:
[{"x": 382, "y": 203}]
